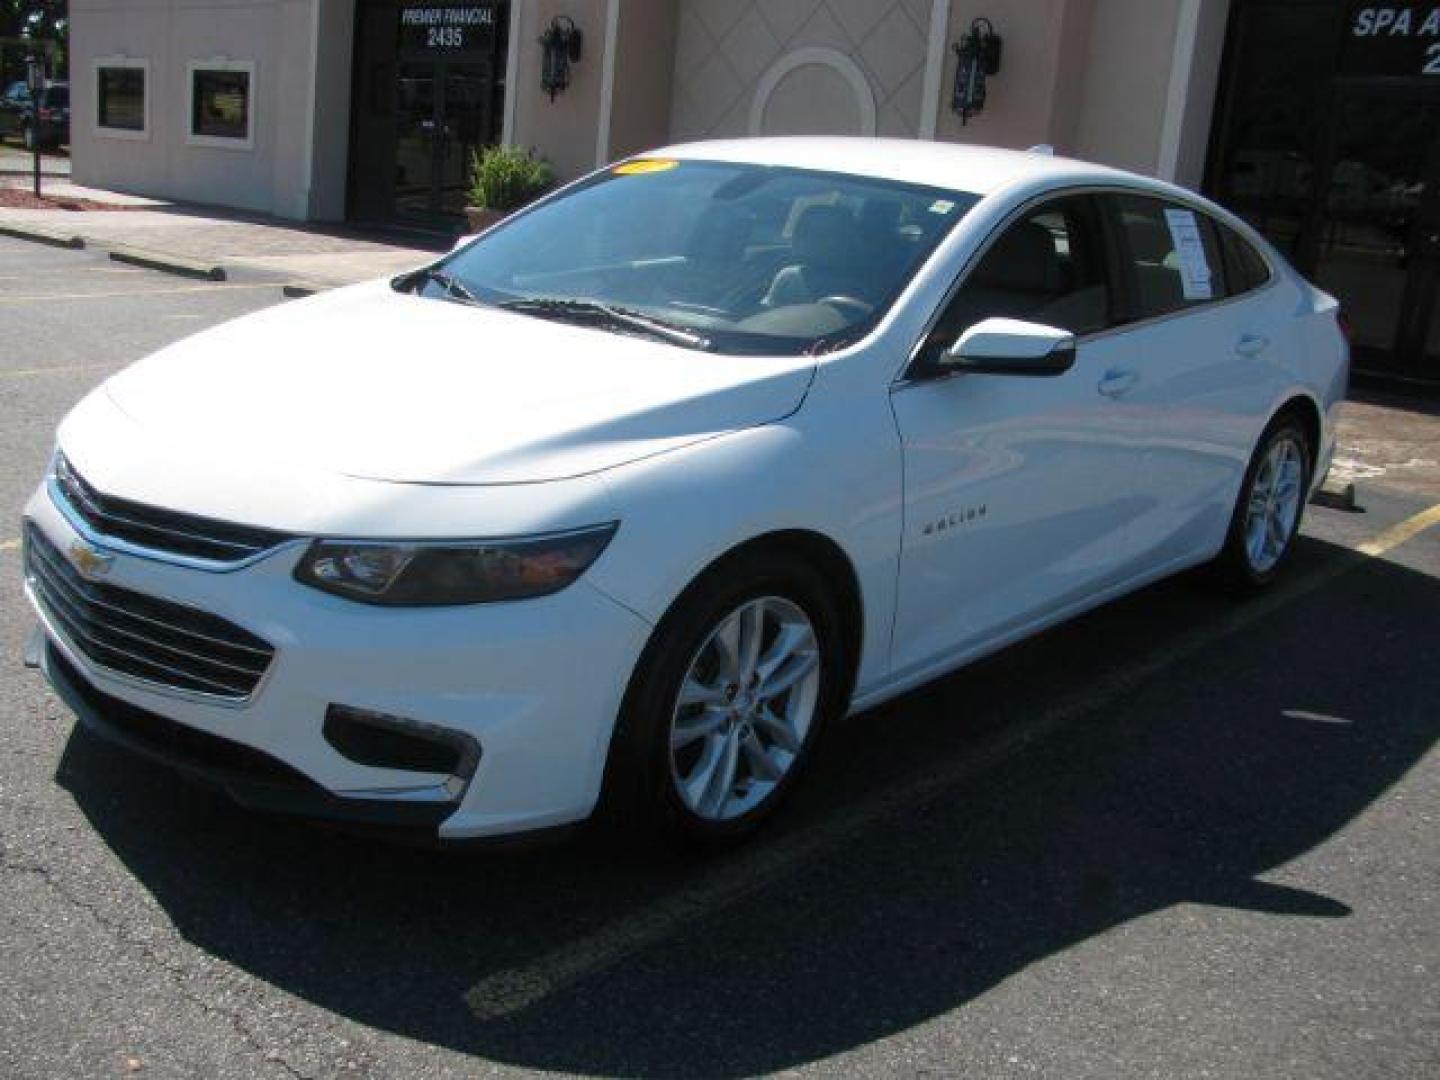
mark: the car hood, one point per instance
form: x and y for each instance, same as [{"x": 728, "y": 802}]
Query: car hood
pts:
[{"x": 378, "y": 385}]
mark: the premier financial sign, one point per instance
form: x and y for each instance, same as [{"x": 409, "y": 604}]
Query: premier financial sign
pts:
[{"x": 437, "y": 28}]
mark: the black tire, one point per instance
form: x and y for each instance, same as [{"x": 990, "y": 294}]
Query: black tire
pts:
[
  {"x": 640, "y": 803},
  {"x": 1234, "y": 568}
]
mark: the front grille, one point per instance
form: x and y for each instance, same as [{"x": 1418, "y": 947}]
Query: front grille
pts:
[
  {"x": 160, "y": 530},
  {"x": 154, "y": 640}
]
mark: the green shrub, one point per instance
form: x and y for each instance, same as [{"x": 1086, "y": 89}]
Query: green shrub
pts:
[{"x": 507, "y": 177}]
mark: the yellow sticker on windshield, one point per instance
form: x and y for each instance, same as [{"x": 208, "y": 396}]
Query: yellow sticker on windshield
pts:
[{"x": 640, "y": 166}]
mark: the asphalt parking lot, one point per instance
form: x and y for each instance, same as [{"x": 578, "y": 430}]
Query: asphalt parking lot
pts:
[{"x": 1181, "y": 837}]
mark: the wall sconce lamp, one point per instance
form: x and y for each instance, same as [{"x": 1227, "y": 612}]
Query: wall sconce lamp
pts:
[
  {"x": 978, "y": 54},
  {"x": 561, "y": 43}
]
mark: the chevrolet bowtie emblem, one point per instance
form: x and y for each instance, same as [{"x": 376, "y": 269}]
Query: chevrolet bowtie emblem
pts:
[{"x": 92, "y": 563}]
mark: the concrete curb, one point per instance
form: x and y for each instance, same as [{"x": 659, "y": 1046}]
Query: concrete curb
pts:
[
  {"x": 170, "y": 264},
  {"x": 40, "y": 235},
  {"x": 298, "y": 290}
]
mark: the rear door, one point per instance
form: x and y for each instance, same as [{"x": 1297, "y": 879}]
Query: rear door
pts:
[{"x": 1200, "y": 358}]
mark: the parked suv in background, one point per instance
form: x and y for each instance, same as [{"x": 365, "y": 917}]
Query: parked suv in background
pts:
[{"x": 49, "y": 123}]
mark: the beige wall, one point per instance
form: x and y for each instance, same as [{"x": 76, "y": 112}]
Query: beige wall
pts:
[
  {"x": 643, "y": 82},
  {"x": 296, "y": 166},
  {"x": 744, "y": 67},
  {"x": 563, "y": 131},
  {"x": 1034, "y": 97},
  {"x": 1127, "y": 81}
]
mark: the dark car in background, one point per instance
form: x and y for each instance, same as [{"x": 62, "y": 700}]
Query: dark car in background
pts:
[{"x": 42, "y": 121}]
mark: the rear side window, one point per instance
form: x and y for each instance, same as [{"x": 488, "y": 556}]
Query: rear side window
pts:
[
  {"x": 1245, "y": 268},
  {"x": 1172, "y": 254}
]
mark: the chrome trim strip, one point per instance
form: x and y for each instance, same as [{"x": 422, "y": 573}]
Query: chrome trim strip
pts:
[
  {"x": 76, "y": 631},
  {"x": 110, "y": 515},
  {"x": 125, "y": 547},
  {"x": 83, "y": 663},
  {"x": 77, "y": 614},
  {"x": 164, "y": 625}
]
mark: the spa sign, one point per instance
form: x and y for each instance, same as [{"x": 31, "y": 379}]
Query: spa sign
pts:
[
  {"x": 441, "y": 28},
  {"x": 1397, "y": 40}
]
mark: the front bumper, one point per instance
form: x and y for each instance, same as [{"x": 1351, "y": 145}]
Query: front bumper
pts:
[{"x": 536, "y": 684}]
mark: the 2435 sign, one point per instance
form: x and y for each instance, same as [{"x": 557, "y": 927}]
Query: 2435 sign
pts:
[
  {"x": 445, "y": 28},
  {"x": 1392, "y": 40}
]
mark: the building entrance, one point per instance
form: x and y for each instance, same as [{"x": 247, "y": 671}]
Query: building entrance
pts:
[
  {"x": 1328, "y": 140},
  {"x": 429, "y": 91}
]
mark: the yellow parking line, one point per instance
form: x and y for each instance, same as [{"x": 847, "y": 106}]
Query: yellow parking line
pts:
[
  {"x": 1396, "y": 535},
  {"x": 9, "y": 545},
  {"x": 21, "y": 373},
  {"x": 513, "y": 990},
  {"x": 132, "y": 292}
]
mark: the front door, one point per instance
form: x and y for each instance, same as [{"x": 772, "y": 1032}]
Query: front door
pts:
[
  {"x": 1021, "y": 494},
  {"x": 1374, "y": 239},
  {"x": 429, "y": 92}
]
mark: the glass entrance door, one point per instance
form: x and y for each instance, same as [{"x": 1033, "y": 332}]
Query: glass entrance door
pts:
[
  {"x": 429, "y": 91},
  {"x": 1374, "y": 238}
]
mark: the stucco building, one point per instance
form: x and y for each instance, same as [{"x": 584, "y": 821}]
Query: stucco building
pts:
[{"x": 1318, "y": 119}]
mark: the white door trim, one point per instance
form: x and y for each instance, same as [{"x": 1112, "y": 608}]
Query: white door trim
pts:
[{"x": 934, "y": 68}]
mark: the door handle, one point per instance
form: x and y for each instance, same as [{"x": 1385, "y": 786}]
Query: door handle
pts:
[
  {"x": 1116, "y": 382},
  {"x": 1252, "y": 345}
]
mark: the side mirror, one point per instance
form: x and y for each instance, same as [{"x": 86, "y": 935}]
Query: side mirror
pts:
[{"x": 1011, "y": 347}]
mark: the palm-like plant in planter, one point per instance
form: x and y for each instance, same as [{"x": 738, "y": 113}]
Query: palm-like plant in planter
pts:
[{"x": 506, "y": 178}]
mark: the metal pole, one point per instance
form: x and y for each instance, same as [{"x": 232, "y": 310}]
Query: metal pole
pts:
[{"x": 37, "y": 89}]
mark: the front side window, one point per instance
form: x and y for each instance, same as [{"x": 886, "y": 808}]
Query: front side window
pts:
[
  {"x": 220, "y": 104},
  {"x": 120, "y": 97},
  {"x": 752, "y": 259},
  {"x": 1048, "y": 267},
  {"x": 1172, "y": 253}
]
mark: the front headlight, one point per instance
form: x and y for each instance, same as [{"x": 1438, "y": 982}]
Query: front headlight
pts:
[{"x": 452, "y": 572}]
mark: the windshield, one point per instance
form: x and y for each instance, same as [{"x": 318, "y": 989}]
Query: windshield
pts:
[{"x": 744, "y": 259}]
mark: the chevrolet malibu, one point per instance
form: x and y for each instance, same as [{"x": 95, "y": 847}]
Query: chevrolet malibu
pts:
[{"x": 607, "y": 512}]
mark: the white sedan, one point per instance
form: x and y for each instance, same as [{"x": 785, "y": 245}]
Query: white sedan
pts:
[{"x": 608, "y": 511}]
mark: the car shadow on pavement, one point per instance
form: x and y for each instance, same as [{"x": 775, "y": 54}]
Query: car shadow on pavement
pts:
[{"x": 1225, "y": 766}]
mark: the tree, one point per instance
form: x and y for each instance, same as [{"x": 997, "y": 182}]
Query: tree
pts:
[
  {"x": 24, "y": 21},
  {"x": 46, "y": 19}
]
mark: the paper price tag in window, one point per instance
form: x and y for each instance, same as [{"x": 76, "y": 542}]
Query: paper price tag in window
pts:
[{"x": 1195, "y": 278}]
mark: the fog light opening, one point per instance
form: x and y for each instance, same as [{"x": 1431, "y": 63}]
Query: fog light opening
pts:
[{"x": 382, "y": 741}]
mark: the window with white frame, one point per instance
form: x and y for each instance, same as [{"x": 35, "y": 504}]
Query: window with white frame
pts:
[
  {"x": 221, "y": 104},
  {"x": 122, "y": 98}
]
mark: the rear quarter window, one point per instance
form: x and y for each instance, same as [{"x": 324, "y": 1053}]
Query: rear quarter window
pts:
[{"x": 1245, "y": 268}]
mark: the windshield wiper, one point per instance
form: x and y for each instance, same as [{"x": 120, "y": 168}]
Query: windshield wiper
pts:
[
  {"x": 453, "y": 286},
  {"x": 576, "y": 309}
]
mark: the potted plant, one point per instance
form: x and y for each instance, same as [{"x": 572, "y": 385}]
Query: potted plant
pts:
[{"x": 506, "y": 178}]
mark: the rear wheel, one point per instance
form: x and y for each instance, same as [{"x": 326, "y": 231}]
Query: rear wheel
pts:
[
  {"x": 725, "y": 705},
  {"x": 1268, "y": 511}
]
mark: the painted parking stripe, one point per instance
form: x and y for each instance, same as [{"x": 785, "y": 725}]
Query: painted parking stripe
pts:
[
  {"x": 31, "y": 299},
  {"x": 9, "y": 545},
  {"x": 57, "y": 369},
  {"x": 513, "y": 990}
]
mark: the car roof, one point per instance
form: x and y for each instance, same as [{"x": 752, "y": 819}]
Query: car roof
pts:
[{"x": 977, "y": 169}]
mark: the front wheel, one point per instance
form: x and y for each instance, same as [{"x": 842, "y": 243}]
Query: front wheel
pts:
[
  {"x": 1267, "y": 513},
  {"x": 725, "y": 705}
]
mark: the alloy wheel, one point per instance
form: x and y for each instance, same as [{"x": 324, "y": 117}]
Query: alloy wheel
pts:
[
  {"x": 1274, "y": 505},
  {"x": 744, "y": 708}
]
